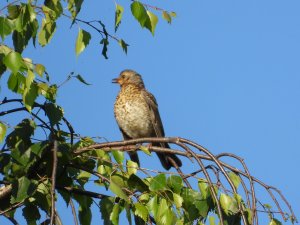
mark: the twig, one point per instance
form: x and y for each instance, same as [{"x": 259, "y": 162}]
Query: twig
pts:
[
  {"x": 73, "y": 211},
  {"x": 53, "y": 179}
]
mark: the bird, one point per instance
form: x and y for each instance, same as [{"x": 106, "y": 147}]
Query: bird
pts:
[{"x": 137, "y": 115}]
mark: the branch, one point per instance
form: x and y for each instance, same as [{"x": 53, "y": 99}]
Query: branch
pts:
[
  {"x": 53, "y": 179},
  {"x": 130, "y": 145}
]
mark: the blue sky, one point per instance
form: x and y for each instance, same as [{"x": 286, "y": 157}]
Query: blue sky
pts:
[{"x": 226, "y": 75}]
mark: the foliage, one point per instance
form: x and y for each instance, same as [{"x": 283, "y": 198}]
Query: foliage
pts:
[{"x": 34, "y": 173}]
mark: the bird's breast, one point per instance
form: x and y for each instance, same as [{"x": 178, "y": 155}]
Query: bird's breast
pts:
[{"x": 132, "y": 115}]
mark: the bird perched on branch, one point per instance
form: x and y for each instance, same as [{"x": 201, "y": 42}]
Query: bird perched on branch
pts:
[{"x": 137, "y": 115}]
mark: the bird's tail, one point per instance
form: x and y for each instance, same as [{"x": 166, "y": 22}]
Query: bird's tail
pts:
[
  {"x": 134, "y": 157},
  {"x": 167, "y": 158}
]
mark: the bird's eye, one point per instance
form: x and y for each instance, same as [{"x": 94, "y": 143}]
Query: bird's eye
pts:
[{"x": 123, "y": 76}]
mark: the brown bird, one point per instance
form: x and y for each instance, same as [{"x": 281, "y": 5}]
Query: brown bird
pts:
[{"x": 137, "y": 115}]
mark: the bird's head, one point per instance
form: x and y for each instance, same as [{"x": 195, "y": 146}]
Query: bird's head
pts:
[{"x": 129, "y": 77}]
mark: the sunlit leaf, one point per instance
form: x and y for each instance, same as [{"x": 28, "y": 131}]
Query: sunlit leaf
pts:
[
  {"x": 13, "y": 61},
  {"x": 177, "y": 200},
  {"x": 139, "y": 12},
  {"x": 145, "y": 149},
  {"x": 2, "y": 131},
  {"x": 123, "y": 44},
  {"x": 153, "y": 19},
  {"x": 235, "y": 179},
  {"x": 6, "y": 27},
  {"x": 118, "y": 156},
  {"x": 159, "y": 182},
  {"x": 114, "y": 216},
  {"x": 166, "y": 16},
  {"x": 132, "y": 167},
  {"x": 141, "y": 211},
  {"x": 118, "y": 15},
  {"x": 117, "y": 190},
  {"x": 39, "y": 69},
  {"x": 275, "y": 222},
  {"x": 228, "y": 204},
  {"x": 83, "y": 39}
]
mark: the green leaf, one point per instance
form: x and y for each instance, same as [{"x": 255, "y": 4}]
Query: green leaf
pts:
[
  {"x": 267, "y": 206},
  {"x": 203, "y": 187},
  {"x": 29, "y": 96},
  {"x": 164, "y": 213},
  {"x": 6, "y": 27},
  {"x": 13, "y": 11},
  {"x": 145, "y": 150},
  {"x": 51, "y": 93},
  {"x": 83, "y": 177},
  {"x": 153, "y": 19},
  {"x": 54, "y": 5},
  {"x": 29, "y": 79},
  {"x": 117, "y": 190},
  {"x": 124, "y": 45},
  {"x": 47, "y": 31},
  {"x": 128, "y": 213},
  {"x": 15, "y": 82},
  {"x": 106, "y": 207},
  {"x": 105, "y": 43},
  {"x": 275, "y": 222},
  {"x": 228, "y": 204},
  {"x": 139, "y": 12},
  {"x": 31, "y": 214},
  {"x": 118, "y": 15},
  {"x": 118, "y": 156},
  {"x": 22, "y": 38},
  {"x": 177, "y": 200},
  {"x": 13, "y": 61},
  {"x": 167, "y": 16},
  {"x": 190, "y": 200},
  {"x": 85, "y": 215},
  {"x": 114, "y": 216},
  {"x": 153, "y": 206},
  {"x": 175, "y": 183},
  {"x": 83, "y": 39},
  {"x": 22, "y": 132},
  {"x": 2, "y": 131},
  {"x": 141, "y": 211},
  {"x": 22, "y": 189},
  {"x": 80, "y": 78},
  {"x": 42, "y": 195},
  {"x": 131, "y": 166},
  {"x": 173, "y": 14},
  {"x": 134, "y": 182},
  {"x": 30, "y": 92},
  {"x": 74, "y": 7},
  {"x": 54, "y": 112},
  {"x": 158, "y": 183},
  {"x": 235, "y": 179},
  {"x": 39, "y": 69}
]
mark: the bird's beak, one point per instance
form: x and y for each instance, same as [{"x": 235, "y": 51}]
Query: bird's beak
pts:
[{"x": 115, "y": 80}]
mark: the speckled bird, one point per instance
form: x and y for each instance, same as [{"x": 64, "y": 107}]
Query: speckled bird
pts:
[{"x": 136, "y": 112}]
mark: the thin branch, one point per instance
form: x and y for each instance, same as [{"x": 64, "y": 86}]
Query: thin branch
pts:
[
  {"x": 129, "y": 145},
  {"x": 73, "y": 211},
  {"x": 53, "y": 179}
]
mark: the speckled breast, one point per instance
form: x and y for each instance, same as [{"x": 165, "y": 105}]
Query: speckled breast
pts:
[{"x": 132, "y": 115}]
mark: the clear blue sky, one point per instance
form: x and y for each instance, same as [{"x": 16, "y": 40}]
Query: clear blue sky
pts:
[{"x": 226, "y": 74}]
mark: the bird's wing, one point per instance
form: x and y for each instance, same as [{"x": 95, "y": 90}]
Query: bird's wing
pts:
[{"x": 154, "y": 114}]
